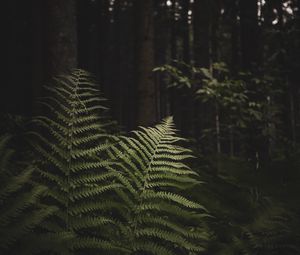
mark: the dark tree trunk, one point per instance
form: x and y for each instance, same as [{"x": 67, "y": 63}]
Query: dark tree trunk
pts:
[
  {"x": 256, "y": 144},
  {"x": 186, "y": 97},
  {"x": 60, "y": 35},
  {"x": 175, "y": 106},
  {"x": 249, "y": 34},
  {"x": 234, "y": 67},
  {"x": 37, "y": 53},
  {"x": 202, "y": 44},
  {"x": 162, "y": 32},
  {"x": 185, "y": 26},
  {"x": 201, "y": 28},
  {"x": 215, "y": 8},
  {"x": 146, "y": 104},
  {"x": 234, "y": 38}
]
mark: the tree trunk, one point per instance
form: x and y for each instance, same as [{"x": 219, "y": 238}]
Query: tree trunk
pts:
[
  {"x": 201, "y": 41},
  {"x": 187, "y": 95},
  {"x": 61, "y": 36},
  {"x": 201, "y": 28},
  {"x": 37, "y": 54},
  {"x": 162, "y": 34},
  {"x": 185, "y": 26},
  {"x": 146, "y": 98},
  {"x": 249, "y": 37},
  {"x": 249, "y": 34}
]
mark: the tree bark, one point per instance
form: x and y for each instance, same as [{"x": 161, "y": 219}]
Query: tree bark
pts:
[
  {"x": 202, "y": 43},
  {"x": 60, "y": 35},
  {"x": 185, "y": 26},
  {"x": 201, "y": 28},
  {"x": 146, "y": 98},
  {"x": 249, "y": 34},
  {"x": 187, "y": 94},
  {"x": 234, "y": 39}
]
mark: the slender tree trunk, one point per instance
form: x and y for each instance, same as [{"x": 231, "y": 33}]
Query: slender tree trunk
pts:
[
  {"x": 176, "y": 108},
  {"x": 204, "y": 112},
  {"x": 214, "y": 27},
  {"x": 218, "y": 130},
  {"x": 231, "y": 140},
  {"x": 174, "y": 32},
  {"x": 185, "y": 26},
  {"x": 146, "y": 104},
  {"x": 249, "y": 38},
  {"x": 37, "y": 54},
  {"x": 161, "y": 53},
  {"x": 61, "y": 36},
  {"x": 187, "y": 99},
  {"x": 234, "y": 39},
  {"x": 214, "y": 56},
  {"x": 234, "y": 63}
]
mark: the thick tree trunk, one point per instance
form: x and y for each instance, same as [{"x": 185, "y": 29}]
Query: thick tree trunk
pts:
[
  {"x": 146, "y": 98},
  {"x": 202, "y": 32},
  {"x": 249, "y": 34},
  {"x": 60, "y": 35}
]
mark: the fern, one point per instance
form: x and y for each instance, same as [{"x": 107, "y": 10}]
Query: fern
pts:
[
  {"x": 270, "y": 231},
  {"x": 21, "y": 211},
  {"x": 246, "y": 220},
  {"x": 157, "y": 219},
  {"x": 71, "y": 142},
  {"x": 116, "y": 195}
]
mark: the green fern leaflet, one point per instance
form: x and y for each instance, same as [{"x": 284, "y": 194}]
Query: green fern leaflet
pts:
[
  {"x": 21, "y": 211},
  {"x": 71, "y": 145},
  {"x": 157, "y": 219}
]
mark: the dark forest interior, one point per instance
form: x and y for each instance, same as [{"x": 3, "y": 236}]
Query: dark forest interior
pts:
[{"x": 150, "y": 127}]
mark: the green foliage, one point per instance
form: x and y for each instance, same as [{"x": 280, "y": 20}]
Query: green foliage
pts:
[
  {"x": 71, "y": 144},
  {"x": 244, "y": 103},
  {"x": 157, "y": 218},
  {"x": 98, "y": 193},
  {"x": 216, "y": 84},
  {"x": 117, "y": 195},
  {"x": 247, "y": 220},
  {"x": 21, "y": 211}
]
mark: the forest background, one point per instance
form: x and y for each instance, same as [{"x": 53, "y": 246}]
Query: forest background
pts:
[{"x": 227, "y": 70}]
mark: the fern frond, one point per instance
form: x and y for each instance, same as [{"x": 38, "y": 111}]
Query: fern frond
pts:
[
  {"x": 20, "y": 209},
  {"x": 152, "y": 171},
  {"x": 71, "y": 144}
]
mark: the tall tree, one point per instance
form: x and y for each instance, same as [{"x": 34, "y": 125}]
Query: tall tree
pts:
[
  {"x": 234, "y": 37},
  {"x": 201, "y": 27},
  {"x": 162, "y": 54},
  {"x": 202, "y": 58},
  {"x": 61, "y": 36},
  {"x": 186, "y": 102},
  {"x": 185, "y": 26},
  {"x": 147, "y": 94},
  {"x": 249, "y": 33}
]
